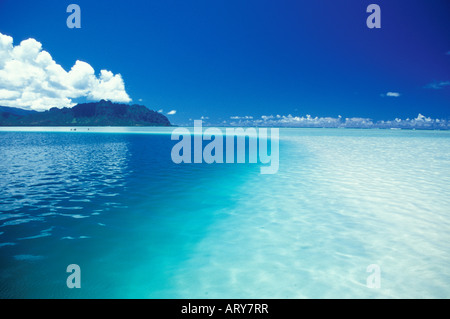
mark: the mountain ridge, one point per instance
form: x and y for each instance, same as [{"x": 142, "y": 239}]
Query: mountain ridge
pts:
[{"x": 102, "y": 113}]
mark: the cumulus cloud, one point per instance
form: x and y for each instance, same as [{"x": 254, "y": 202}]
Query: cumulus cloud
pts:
[
  {"x": 31, "y": 79},
  {"x": 172, "y": 112},
  {"x": 437, "y": 85}
]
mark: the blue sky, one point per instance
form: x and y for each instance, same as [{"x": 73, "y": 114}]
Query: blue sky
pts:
[{"x": 219, "y": 59}]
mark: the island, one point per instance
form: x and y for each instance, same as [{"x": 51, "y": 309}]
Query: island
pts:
[{"x": 102, "y": 113}]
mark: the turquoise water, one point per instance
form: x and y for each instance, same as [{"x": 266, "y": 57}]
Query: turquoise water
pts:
[{"x": 140, "y": 226}]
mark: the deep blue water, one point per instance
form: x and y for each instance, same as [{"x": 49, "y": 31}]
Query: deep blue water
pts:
[{"x": 114, "y": 204}]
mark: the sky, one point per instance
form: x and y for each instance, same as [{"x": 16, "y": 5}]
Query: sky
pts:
[{"x": 221, "y": 60}]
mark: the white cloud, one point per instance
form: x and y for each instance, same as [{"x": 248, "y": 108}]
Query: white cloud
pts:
[
  {"x": 420, "y": 122},
  {"x": 393, "y": 94},
  {"x": 437, "y": 85},
  {"x": 8, "y": 95},
  {"x": 247, "y": 117},
  {"x": 172, "y": 112},
  {"x": 31, "y": 79}
]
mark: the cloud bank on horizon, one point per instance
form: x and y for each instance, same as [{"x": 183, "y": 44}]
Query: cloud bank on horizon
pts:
[
  {"x": 31, "y": 79},
  {"x": 420, "y": 122}
]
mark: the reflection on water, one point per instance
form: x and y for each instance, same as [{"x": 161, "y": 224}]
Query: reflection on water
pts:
[{"x": 44, "y": 174}]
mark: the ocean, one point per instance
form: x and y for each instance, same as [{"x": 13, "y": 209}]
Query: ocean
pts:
[{"x": 112, "y": 201}]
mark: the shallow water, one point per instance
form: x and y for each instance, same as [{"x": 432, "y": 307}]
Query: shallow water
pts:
[{"x": 140, "y": 226}]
